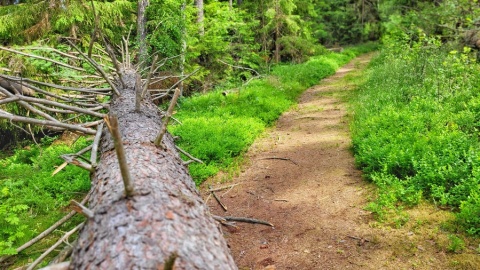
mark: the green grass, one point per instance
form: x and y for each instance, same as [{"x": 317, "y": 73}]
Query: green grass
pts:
[
  {"x": 31, "y": 198},
  {"x": 415, "y": 128}
]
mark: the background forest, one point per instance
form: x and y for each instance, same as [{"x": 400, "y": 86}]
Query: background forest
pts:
[{"x": 415, "y": 124}]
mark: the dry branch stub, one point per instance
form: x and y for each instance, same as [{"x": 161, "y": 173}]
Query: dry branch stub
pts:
[{"x": 165, "y": 216}]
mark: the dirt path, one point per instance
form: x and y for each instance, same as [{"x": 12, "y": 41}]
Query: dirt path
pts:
[{"x": 315, "y": 197}]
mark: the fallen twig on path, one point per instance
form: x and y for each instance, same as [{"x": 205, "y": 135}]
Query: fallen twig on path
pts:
[
  {"x": 224, "y": 207},
  {"x": 281, "y": 158},
  {"x": 224, "y": 222},
  {"x": 230, "y": 189},
  {"x": 222, "y": 188},
  {"x": 243, "y": 219}
]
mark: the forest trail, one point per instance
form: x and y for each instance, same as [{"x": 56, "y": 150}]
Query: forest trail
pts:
[{"x": 301, "y": 178}]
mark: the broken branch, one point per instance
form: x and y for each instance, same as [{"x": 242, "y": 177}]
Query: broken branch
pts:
[
  {"x": 81, "y": 152},
  {"x": 224, "y": 207},
  {"x": 170, "y": 262},
  {"x": 62, "y": 255},
  {"x": 112, "y": 124},
  {"x": 188, "y": 155},
  {"x": 222, "y": 188},
  {"x": 246, "y": 220},
  {"x": 239, "y": 67},
  {"x": 47, "y": 123},
  {"x": 58, "y": 266},
  {"x": 169, "y": 113},
  {"x": 42, "y": 58},
  {"x": 149, "y": 76},
  {"x": 138, "y": 92},
  {"x": 48, "y": 251},
  {"x": 47, "y": 231},
  {"x": 60, "y": 105},
  {"x": 72, "y": 159},
  {"x": 96, "y": 142},
  {"x": 184, "y": 78},
  {"x": 81, "y": 209},
  {"x": 280, "y": 158},
  {"x": 97, "y": 67},
  {"x": 224, "y": 221}
]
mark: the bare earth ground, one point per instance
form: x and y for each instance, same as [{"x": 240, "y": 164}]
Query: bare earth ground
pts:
[{"x": 315, "y": 198}]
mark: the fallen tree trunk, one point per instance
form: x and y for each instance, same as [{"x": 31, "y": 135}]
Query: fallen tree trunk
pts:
[{"x": 165, "y": 218}]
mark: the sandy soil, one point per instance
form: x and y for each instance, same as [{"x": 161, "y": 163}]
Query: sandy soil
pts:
[{"x": 301, "y": 178}]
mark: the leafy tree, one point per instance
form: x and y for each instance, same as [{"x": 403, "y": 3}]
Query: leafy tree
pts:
[{"x": 39, "y": 19}]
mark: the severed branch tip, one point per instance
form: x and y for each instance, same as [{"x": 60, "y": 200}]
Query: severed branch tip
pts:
[
  {"x": 163, "y": 129},
  {"x": 111, "y": 121},
  {"x": 81, "y": 209}
]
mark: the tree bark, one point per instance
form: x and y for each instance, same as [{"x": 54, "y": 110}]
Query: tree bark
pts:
[
  {"x": 200, "y": 17},
  {"x": 277, "y": 32},
  {"x": 141, "y": 31},
  {"x": 166, "y": 215},
  {"x": 14, "y": 87}
]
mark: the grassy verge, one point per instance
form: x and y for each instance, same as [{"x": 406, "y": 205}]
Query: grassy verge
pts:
[
  {"x": 415, "y": 130},
  {"x": 218, "y": 128}
]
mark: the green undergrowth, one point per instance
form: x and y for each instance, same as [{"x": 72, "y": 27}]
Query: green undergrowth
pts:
[
  {"x": 415, "y": 129},
  {"x": 31, "y": 199},
  {"x": 218, "y": 128}
]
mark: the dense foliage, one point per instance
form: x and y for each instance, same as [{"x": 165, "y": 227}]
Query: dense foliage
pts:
[
  {"x": 31, "y": 197},
  {"x": 415, "y": 131},
  {"x": 250, "y": 34}
]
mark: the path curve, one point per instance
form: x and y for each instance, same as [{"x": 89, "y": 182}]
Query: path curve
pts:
[{"x": 315, "y": 198}]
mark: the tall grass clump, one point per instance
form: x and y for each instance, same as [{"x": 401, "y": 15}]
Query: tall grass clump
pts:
[
  {"x": 219, "y": 126},
  {"x": 31, "y": 199},
  {"x": 415, "y": 128}
]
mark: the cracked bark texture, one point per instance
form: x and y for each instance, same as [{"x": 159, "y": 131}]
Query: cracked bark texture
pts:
[{"x": 166, "y": 215}]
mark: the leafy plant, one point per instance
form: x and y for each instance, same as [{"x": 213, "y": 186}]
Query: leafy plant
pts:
[
  {"x": 31, "y": 198},
  {"x": 456, "y": 244},
  {"x": 415, "y": 126},
  {"x": 469, "y": 215}
]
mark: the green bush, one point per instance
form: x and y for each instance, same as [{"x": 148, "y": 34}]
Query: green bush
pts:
[
  {"x": 469, "y": 215},
  {"x": 31, "y": 198},
  {"x": 217, "y": 139},
  {"x": 416, "y": 126}
]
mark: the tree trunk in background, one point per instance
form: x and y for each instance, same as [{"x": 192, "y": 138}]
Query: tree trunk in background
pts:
[
  {"x": 183, "y": 51},
  {"x": 141, "y": 31},
  {"x": 200, "y": 16},
  {"x": 277, "y": 32},
  {"x": 165, "y": 216}
]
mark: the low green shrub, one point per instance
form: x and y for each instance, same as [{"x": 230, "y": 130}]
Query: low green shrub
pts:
[
  {"x": 31, "y": 198},
  {"x": 215, "y": 140},
  {"x": 415, "y": 127},
  {"x": 469, "y": 215}
]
